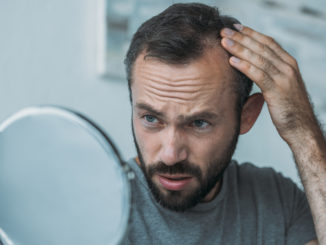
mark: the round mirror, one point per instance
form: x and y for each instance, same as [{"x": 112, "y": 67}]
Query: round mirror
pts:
[{"x": 62, "y": 181}]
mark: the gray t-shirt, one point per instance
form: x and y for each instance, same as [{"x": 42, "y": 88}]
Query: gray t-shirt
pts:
[{"x": 254, "y": 206}]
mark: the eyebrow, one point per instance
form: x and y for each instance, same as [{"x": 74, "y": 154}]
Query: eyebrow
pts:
[
  {"x": 150, "y": 109},
  {"x": 200, "y": 115}
]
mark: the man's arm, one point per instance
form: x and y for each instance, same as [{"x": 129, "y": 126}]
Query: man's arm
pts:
[{"x": 277, "y": 74}]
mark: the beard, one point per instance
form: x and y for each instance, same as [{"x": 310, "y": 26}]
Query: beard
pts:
[{"x": 180, "y": 201}]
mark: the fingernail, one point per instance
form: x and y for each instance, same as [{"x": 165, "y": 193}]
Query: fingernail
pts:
[
  {"x": 229, "y": 42},
  {"x": 228, "y": 31},
  {"x": 235, "y": 59},
  {"x": 239, "y": 27}
]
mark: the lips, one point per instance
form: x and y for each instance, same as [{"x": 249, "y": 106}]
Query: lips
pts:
[{"x": 174, "y": 182}]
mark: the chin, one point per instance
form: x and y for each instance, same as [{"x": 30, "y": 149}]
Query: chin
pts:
[{"x": 178, "y": 201}]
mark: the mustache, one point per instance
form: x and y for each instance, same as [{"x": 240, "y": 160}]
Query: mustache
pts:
[{"x": 183, "y": 167}]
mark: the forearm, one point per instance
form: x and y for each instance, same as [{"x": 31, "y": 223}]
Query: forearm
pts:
[{"x": 310, "y": 157}]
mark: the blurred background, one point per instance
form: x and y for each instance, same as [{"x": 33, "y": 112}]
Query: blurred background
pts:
[{"x": 70, "y": 53}]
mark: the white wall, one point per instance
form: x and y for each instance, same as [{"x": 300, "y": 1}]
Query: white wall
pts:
[{"x": 48, "y": 56}]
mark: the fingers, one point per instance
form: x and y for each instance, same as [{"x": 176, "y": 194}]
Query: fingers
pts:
[
  {"x": 261, "y": 78},
  {"x": 259, "y": 57},
  {"x": 244, "y": 42},
  {"x": 258, "y": 68},
  {"x": 268, "y": 41},
  {"x": 251, "y": 43}
]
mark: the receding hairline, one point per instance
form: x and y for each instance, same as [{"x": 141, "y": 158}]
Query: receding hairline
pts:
[{"x": 208, "y": 44}]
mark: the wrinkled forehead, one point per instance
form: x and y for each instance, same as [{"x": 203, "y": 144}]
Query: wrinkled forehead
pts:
[{"x": 209, "y": 73}]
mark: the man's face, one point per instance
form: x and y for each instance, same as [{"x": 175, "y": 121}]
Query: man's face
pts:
[{"x": 185, "y": 126}]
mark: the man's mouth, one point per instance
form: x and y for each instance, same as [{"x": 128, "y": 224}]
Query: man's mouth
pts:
[{"x": 175, "y": 182}]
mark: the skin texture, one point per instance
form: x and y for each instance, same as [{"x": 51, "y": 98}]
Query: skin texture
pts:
[
  {"x": 186, "y": 113},
  {"x": 278, "y": 76}
]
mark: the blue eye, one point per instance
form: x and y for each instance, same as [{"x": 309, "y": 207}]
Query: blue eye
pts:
[
  {"x": 201, "y": 124},
  {"x": 150, "y": 118}
]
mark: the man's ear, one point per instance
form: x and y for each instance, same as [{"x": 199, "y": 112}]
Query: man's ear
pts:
[{"x": 250, "y": 112}]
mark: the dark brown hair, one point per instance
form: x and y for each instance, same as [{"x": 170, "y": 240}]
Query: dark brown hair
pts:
[{"x": 178, "y": 35}]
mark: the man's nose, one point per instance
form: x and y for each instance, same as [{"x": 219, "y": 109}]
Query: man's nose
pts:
[{"x": 174, "y": 148}]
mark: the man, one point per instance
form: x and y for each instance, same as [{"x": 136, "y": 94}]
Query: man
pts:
[{"x": 189, "y": 81}]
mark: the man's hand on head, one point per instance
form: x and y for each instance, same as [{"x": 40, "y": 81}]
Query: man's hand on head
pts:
[{"x": 277, "y": 74}]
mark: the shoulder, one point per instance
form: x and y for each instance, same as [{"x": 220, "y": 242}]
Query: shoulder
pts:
[
  {"x": 263, "y": 183},
  {"x": 273, "y": 198},
  {"x": 248, "y": 169},
  {"x": 253, "y": 175}
]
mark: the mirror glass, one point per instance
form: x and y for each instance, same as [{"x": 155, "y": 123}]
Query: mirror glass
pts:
[{"x": 61, "y": 181}]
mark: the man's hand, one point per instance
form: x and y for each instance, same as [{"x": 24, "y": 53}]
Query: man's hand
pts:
[{"x": 277, "y": 74}]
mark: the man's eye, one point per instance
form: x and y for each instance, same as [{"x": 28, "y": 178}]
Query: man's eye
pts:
[
  {"x": 150, "y": 119},
  {"x": 201, "y": 124}
]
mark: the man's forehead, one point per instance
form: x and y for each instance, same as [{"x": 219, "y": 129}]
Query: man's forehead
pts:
[
  {"x": 211, "y": 66},
  {"x": 205, "y": 82}
]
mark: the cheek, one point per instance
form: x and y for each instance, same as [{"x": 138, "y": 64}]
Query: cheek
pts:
[
  {"x": 203, "y": 150},
  {"x": 212, "y": 147},
  {"x": 147, "y": 142}
]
